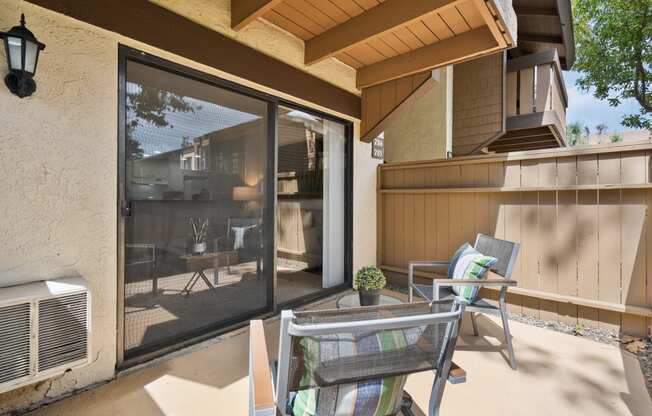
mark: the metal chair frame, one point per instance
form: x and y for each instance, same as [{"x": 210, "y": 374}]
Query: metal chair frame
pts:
[
  {"x": 445, "y": 370},
  {"x": 503, "y": 268}
]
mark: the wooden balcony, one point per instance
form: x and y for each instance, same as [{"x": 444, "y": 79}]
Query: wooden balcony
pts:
[{"x": 536, "y": 103}]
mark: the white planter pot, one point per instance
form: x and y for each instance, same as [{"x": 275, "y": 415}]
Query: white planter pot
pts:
[{"x": 199, "y": 248}]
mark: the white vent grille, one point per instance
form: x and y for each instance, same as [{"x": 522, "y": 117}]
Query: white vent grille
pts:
[
  {"x": 44, "y": 330},
  {"x": 62, "y": 331},
  {"x": 15, "y": 341}
]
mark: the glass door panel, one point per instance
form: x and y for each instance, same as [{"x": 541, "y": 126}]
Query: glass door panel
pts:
[
  {"x": 310, "y": 223},
  {"x": 196, "y": 162}
]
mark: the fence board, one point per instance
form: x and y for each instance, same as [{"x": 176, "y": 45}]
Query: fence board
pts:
[
  {"x": 567, "y": 242},
  {"x": 586, "y": 253},
  {"x": 609, "y": 246},
  {"x": 587, "y": 245}
]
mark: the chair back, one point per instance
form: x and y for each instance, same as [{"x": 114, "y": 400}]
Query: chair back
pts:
[
  {"x": 505, "y": 251},
  {"x": 333, "y": 347},
  {"x": 240, "y": 222}
]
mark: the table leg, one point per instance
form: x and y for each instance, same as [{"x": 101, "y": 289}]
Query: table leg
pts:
[
  {"x": 188, "y": 287},
  {"x": 208, "y": 282},
  {"x": 154, "y": 279},
  {"x": 216, "y": 271}
]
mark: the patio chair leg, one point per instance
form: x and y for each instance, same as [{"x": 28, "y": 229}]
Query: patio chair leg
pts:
[
  {"x": 475, "y": 325},
  {"x": 508, "y": 335},
  {"x": 436, "y": 395},
  {"x": 406, "y": 404}
]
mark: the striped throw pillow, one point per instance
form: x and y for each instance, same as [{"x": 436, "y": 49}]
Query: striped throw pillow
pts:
[
  {"x": 456, "y": 257},
  {"x": 374, "y": 397},
  {"x": 379, "y": 397},
  {"x": 471, "y": 265}
]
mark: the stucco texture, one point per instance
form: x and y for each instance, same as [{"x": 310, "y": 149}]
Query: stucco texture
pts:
[
  {"x": 58, "y": 180},
  {"x": 424, "y": 131},
  {"x": 59, "y": 170}
]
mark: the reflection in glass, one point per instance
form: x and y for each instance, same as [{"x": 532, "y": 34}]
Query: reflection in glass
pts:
[
  {"x": 310, "y": 204},
  {"x": 196, "y": 158}
]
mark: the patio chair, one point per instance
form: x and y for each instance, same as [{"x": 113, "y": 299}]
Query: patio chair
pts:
[
  {"x": 354, "y": 361},
  {"x": 506, "y": 253}
]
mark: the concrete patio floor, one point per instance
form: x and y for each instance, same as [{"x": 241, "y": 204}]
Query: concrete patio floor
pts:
[{"x": 558, "y": 375}]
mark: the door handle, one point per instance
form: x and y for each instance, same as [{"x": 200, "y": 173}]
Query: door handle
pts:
[{"x": 126, "y": 208}]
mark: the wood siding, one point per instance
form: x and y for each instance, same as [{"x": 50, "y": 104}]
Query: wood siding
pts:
[
  {"x": 477, "y": 103},
  {"x": 581, "y": 216}
]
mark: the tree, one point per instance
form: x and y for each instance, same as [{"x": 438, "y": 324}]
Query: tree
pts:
[
  {"x": 151, "y": 105},
  {"x": 601, "y": 128},
  {"x": 574, "y": 133},
  {"x": 587, "y": 133},
  {"x": 615, "y": 138},
  {"x": 614, "y": 53}
]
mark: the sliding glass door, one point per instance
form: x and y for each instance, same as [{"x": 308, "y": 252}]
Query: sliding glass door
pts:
[
  {"x": 231, "y": 204},
  {"x": 196, "y": 158},
  {"x": 310, "y": 221}
]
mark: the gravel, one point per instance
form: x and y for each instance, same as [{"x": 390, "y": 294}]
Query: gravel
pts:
[{"x": 644, "y": 354}]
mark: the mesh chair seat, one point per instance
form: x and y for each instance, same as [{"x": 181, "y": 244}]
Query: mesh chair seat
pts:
[
  {"x": 328, "y": 360},
  {"x": 362, "y": 372}
]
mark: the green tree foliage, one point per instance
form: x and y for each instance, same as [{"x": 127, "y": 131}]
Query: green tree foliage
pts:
[
  {"x": 614, "y": 53},
  {"x": 151, "y": 105},
  {"x": 615, "y": 138},
  {"x": 574, "y": 133}
]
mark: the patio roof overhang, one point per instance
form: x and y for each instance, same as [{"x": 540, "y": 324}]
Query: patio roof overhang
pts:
[
  {"x": 385, "y": 41},
  {"x": 388, "y": 39},
  {"x": 545, "y": 25}
]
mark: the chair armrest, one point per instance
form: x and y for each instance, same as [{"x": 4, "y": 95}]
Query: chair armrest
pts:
[
  {"x": 426, "y": 263},
  {"x": 414, "y": 264},
  {"x": 479, "y": 282},
  {"x": 456, "y": 375},
  {"x": 261, "y": 389}
]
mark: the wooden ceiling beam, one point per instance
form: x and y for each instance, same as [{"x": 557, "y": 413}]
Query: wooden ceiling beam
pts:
[
  {"x": 373, "y": 22},
  {"x": 244, "y": 12},
  {"x": 535, "y": 11},
  {"x": 468, "y": 45},
  {"x": 491, "y": 23},
  {"x": 537, "y": 38}
]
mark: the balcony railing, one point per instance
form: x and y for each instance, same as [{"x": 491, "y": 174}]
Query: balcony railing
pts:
[{"x": 535, "y": 103}]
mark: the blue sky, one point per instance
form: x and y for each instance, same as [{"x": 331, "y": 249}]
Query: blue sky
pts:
[{"x": 582, "y": 106}]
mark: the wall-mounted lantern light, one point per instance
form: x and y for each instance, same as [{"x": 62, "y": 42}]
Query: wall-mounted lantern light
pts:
[{"x": 22, "y": 49}]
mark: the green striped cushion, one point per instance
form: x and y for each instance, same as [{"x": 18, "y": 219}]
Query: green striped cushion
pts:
[
  {"x": 376, "y": 397},
  {"x": 379, "y": 397},
  {"x": 471, "y": 265}
]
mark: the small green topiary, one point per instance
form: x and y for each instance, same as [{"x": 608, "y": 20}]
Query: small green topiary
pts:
[{"x": 369, "y": 278}]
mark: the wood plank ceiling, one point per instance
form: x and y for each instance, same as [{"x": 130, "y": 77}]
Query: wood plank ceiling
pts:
[{"x": 386, "y": 39}]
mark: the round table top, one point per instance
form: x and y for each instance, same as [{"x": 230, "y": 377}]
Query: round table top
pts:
[{"x": 352, "y": 300}]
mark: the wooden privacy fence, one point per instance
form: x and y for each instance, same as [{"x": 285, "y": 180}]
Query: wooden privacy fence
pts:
[{"x": 581, "y": 216}]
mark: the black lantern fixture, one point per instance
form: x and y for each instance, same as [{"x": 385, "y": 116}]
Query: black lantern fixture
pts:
[{"x": 22, "y": 50}]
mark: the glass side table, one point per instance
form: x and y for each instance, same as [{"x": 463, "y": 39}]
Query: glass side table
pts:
[{"x": 352, "y": 300}]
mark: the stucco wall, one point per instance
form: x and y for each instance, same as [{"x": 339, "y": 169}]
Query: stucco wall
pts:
[
  {"x": 59, "y": 170},
  {"x": 423, "y": 131},
  {"x": 364, "y": 204}
]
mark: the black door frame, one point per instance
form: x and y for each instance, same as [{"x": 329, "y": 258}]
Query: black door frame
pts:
[{"x": 125, "y": 54}]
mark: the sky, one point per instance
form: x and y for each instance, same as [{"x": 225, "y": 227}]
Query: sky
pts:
[
  {"x": 583, "y": 107},
  {"x": 205, "y": 118}
]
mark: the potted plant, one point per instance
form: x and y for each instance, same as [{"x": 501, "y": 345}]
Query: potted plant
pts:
[
  {"x": 199, "y": 235},
  {"x": 369, "y": 280}
]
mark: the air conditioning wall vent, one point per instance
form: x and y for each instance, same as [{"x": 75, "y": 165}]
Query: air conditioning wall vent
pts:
[{"x": 45, "y": 329}]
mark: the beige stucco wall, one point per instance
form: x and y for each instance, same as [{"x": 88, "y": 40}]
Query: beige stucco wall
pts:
[
  {"x": 364, "y": 204},
  {"x": 59, "y": 170},
  {"x": 424, "y": 130}
]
